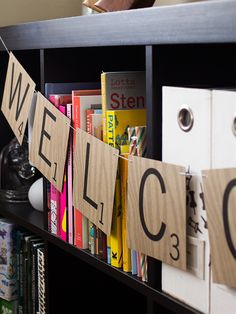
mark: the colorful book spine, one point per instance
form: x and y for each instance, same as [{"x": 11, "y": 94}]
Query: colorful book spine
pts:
[
  {"x": 92, "y": 236},
  {"x": 133, "y": 151},
  {"x": 96, "y": 128},
  {"x": 8, "y": 307},
  {"x": 56, "y": 216},
  {"x": 124, "y": 182},
  {"x": 78, "y": 217},
  {"x": 116, "y": 230},
  {"x": 48, "y": 189},
  {"x": 80, "y": 104},
  {"x": 41, "y": 281},
  {"x": 115, "y": 237},
  {"x": 104, "y": 107},
  {"x": 118, "y": 122},
  {"x": 20, "y": 271},
  {"x": 89, "y": 112},
  {"x": 139, "y": 260},
  {"x": 91, "y": 226},
  {"x": 8, "y": 260},
  {"x": 96, "y": 122},
  {"x": 54, "y": 207},
  {"x": 97, "y": 238},
  {"x": 30, "y": 281},
  {"x": 109, "y": 250},
  {"x": 63, "y": 199},
  {"x": 141, "y": 147},
  {"x": 34, "y": 275},
  {"x": 63, "y": 210},
  {"x": 26, "y": 272},
  {"x": 70, "y": 208}
]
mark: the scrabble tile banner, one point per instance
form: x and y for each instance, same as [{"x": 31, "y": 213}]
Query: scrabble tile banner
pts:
[
  {"x": 18, "y": 95},
  {"x": 220, "y": 198},
  {"x": 95, "y": 169},
  {"x": 156, "y": 216},
  {"x": 48, "y": 149}
]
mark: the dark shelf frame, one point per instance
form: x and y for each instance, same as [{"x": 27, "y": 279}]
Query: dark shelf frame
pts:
[
  {"x": 201, "y": 22},
  {"x": 23, "y": 214},
  {"x": 29, "y": 218}
]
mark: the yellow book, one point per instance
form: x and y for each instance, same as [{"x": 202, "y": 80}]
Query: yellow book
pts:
[
  {"x": 118, "y": 122},
  {"x": 124, "y": 181},
  {"x": 116, "y": 229},
  {"x": 122, "y": 91},
  {"x": 104, "y": 107}
]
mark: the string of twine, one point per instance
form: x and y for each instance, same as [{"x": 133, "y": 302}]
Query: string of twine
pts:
[
  {"x": 117, "y": 155},
  {"x": 4, "y": 45}
]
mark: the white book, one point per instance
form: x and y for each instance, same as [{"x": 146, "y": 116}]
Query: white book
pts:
[
  {"x": 187, "y": 142},
  {"x": 223, "y": 298}
]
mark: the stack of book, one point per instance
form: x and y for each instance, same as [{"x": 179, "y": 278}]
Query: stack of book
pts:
[{"x": 106, "y": 110}]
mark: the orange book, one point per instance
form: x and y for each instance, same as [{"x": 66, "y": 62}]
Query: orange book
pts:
[{"x": 82, "y": 100}]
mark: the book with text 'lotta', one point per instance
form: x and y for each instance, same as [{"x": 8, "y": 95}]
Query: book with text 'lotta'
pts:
[{"x": 122, "y": 91}]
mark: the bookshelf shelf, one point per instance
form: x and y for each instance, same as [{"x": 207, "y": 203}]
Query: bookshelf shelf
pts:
[
  {"x": 188, "y": 44},
  {"x": 32, "y": 220},
  {"x": 150, "y": 26},
  {"x": 23, "y": 214}
]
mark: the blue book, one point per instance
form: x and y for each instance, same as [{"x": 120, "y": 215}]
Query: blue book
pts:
[{"x": 66, "y": 88}]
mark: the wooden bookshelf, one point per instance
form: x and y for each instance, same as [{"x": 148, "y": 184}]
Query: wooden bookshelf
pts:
[{"x": 181, "y": 45}]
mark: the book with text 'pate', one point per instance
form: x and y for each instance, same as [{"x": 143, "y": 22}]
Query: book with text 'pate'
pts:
[
  {"x": 118, "y": 122},
  {"x": 122, "y": 91}
]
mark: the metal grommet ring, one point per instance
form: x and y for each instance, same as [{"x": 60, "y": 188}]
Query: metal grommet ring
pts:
[
  {"x": 234, "y": 125},
  {"x": 185, "y": 119}
]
